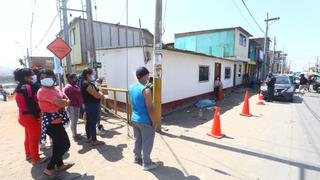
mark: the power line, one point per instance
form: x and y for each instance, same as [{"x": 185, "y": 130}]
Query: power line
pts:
[
  {"x": 247, "y": 21},
  {"x": 252, "y": 16},
  {"x": 46, "y": 33}
]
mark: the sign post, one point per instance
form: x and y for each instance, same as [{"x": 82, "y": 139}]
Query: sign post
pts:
[{"x": 60, "y": 49}]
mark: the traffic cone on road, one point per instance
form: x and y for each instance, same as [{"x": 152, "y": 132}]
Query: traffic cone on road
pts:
[
  {"x": 246, "y": 108},
  {"x": 216, "y": 128},
  {"x": 260, "y": 101}
]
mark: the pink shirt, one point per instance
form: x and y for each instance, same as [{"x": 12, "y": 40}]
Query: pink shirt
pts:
[{"x": 46, "y": 97}]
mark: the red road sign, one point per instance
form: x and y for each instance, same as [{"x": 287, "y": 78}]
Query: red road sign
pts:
[{"x": 59, "y": 48}]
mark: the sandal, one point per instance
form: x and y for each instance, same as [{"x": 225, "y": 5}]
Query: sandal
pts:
[
  {"x": 48, "y": 172},
  {"x": 65, "y": 167}
]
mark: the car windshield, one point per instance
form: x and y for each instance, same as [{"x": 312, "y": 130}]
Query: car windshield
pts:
[{"x": 282, "y": 80}]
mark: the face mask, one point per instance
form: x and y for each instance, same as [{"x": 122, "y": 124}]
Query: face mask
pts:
[
  {"x": 34, "y": 79},
  {"x": 47, "y": 82}
]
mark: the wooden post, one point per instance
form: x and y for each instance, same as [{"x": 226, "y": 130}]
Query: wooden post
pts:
[{"x": 115, "y": 102}]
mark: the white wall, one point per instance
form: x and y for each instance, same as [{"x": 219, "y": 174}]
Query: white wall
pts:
[
  {"x": 114, "y": 68},
  {"x": 180, "y": 77},
  {"x": 241, "y": 52}
]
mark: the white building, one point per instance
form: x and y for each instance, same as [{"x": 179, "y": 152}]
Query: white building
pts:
[{"x": 187, "y": 76}]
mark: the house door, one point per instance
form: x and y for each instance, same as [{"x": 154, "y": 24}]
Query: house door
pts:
[
  {"x": 217, "y": 70},
  {"x": 234, "y": 75}
]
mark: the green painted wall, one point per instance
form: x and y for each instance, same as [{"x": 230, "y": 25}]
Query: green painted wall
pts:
[
  {"x": 219, "y": 44},
  {"x": 76, "y": 48}
]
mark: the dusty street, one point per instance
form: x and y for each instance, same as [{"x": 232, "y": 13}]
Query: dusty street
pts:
[{"x": 281, "y": 141}]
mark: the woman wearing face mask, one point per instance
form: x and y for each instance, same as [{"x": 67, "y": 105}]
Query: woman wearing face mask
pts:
[
  {"x": 29, "y": 113},
  {"x": 91, "y": 98},
  {"x": 52, "y": 102},
  {"x": 73, "y": 92}
]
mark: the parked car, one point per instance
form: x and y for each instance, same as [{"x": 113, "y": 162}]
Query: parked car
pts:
[
  {"x": 316, "y": 84},
  {"x": 284, "y": 88}
]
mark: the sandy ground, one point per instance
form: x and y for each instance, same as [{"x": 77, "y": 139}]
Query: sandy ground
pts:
[{"x": 270, "y": 145}]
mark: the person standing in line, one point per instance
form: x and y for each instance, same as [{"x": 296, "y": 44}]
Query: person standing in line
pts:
[
  {"x": 72, "y": 90},
  {"x": 270, "y": 81},
  {"x": 91, "y": 98},
  {"x": 218, "y": 88},
  {"x": 143, "y": 120},
  {"x": 98, "y": 84},
  {"x": 52, "y": 102},
  {"x": 29, "y": 113}
]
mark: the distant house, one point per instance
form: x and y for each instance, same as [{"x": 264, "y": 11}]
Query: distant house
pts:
[
  {"x": 106, "y": 35},
  {"x": 231, "y": 43},
  {"x": 42, "y": 62}
]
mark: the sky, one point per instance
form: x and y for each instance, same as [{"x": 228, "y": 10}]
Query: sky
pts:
[{"x": 297, "y": 31}]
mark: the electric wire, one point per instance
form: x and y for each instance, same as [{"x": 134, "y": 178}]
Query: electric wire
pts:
[{"x": 245, "y": 5}]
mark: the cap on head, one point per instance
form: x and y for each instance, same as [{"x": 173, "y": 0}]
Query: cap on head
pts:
[{"x": 141, "y": 71}]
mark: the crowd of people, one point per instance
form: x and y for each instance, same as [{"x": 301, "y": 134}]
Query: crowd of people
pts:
[{"x": 45, "y": 109}]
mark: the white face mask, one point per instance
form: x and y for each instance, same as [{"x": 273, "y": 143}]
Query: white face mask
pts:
[
  {"x": 47, "y": 82},
  {"x": 34, "y": 79}
]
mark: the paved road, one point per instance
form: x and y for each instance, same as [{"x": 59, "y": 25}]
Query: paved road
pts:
[{"x": 281, "y": 141}]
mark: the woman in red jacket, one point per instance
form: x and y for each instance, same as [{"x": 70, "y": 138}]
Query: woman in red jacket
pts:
[{"x": 29, "y": 112}]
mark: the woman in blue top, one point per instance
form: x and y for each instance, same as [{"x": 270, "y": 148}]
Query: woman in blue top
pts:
[{"x": 143, "y": 119}]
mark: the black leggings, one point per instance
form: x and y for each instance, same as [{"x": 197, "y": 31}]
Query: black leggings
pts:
[{"x": 61, "y": 144}]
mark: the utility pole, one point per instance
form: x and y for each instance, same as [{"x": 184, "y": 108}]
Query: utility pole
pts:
[
  {"x": 266, "y": 62},
  {"x": 92, "y": 47},
  {"x": 273, "y": 54},
  {"x": 66, "y": 32},
  {"x": 317, "y": 65},
  {"x": 157, "y": 63},
  {"x": 28, "y": 60}
]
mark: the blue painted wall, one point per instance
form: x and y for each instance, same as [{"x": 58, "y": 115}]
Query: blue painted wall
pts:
[{"x": 219, "y": 44}]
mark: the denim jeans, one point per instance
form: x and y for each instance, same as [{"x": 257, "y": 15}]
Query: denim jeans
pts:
[
  {"x": 144, "y": 137},
  {"x": 92, "y": 112}
]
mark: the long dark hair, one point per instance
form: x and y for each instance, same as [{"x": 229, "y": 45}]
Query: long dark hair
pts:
[
  {"x": 71, "y": 76},
  {"x": 85, "y": 72},
  {"x": 20, "y": 74}
]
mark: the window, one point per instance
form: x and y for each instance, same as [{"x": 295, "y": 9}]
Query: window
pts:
[
  {"x": 240, "y": 70},
  {"x": 72, "y": 37},
  {"x": 227, "y": 73},
  {"x": 203, "y": 73},
  {"x": 243, "y": 40}
]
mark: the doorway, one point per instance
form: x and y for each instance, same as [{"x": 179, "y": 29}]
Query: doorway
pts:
[{"x": 217, "y": 71}]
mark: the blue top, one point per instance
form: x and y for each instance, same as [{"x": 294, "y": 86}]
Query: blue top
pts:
[{"x": 139, "y": 108}]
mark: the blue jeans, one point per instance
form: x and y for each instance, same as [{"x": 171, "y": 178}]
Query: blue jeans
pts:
[
  {"x": 92, "y": 111},
  {"x": 144, "y": 137}
]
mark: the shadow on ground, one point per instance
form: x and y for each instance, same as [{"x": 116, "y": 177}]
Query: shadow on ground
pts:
[
  {"x": 189, "y": 117},
  {"x": 303, "y": 167},
  {"x": 167, "y": 172}
]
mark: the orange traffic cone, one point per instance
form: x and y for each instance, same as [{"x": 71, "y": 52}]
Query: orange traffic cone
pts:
[
  {"x": 246, "y": 109},
  {"x": 216, "y": 129},
  {"x": 260, "y": 101}
]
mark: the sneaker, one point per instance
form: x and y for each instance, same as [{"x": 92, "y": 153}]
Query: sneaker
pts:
[
  {"x": 138, "y": 161},
  {"x": 151, "y": 166}
]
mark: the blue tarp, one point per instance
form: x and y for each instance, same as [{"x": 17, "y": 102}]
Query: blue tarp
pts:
[{"x": 205, "y": 103}]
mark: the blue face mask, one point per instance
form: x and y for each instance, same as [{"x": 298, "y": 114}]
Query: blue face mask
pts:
[
  {"x": 34, "y": 79},
  {"x": 47, "y": 82}
]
